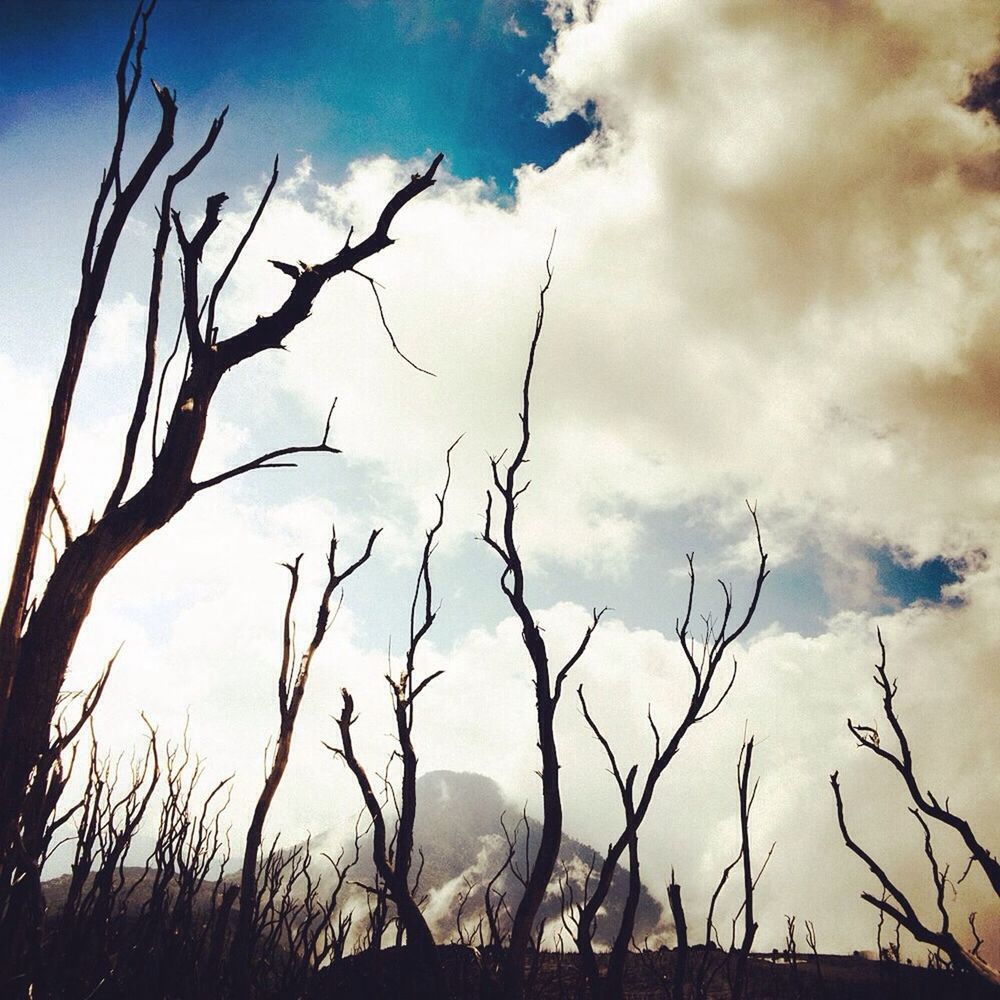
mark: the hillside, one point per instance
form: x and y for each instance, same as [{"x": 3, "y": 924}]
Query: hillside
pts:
[{"x": 459, "y": 832}]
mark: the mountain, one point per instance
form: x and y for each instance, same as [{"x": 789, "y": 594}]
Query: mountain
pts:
[{"x": 459, "y": 833}]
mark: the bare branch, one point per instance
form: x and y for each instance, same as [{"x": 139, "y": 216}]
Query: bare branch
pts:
[
  {"x": 580, "y": 650},
  {"x": 141, "y": 407},
  {"x": 600, "y": 737},
  {"x": 867, "y": 737},
  {"x": 191, "y": 251},
  {"x": 269, "y": 331},
  {"x": 975, "y": 934},
  {"x": 266, "y": 461},
  {"x": 63, "y": 519},
  {"x": 163, "y": 377},
  {"x": 909, "y": 916},
  {"x": 210, "y": 330},
  {"x": 385, "y": 323}
]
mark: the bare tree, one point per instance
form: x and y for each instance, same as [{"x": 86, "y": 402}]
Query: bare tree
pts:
[
  {"x": 714, "y": 959},
  {"x": 112, "y": 926},
  {"x": 611, "y": 986},
  {"x": 893, "y": 902},
  {"x": 41, "y": 621},
  {"x": 392, "y": 853},
  {"x": 548, "y": 682},
  {"x": 682, "y": 950},
  {"x": 164, "y": 928},
  {"x": 292, "y": 679},
  {"x": 811, "y": 942},
  {"x": 21, "y": 907},
  {"x": 902, "y": 760},
  {"x": 749, "y": 882},
  {"x": 703, "y": 659}
]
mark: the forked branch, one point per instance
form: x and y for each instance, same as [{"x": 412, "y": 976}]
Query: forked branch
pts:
[
  {"x": 703, "y": 660},
  {"x": 502, "y": 539},
  {"x": 291, "y": 690},
  {"x": 902, "y": 761},
  {"x": 894, "y": 903},
  {"x": 269, "y": 460}
]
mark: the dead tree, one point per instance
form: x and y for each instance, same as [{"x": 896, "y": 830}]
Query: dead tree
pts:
[
  {"x": 297, "y": 927},
  {"x": 749, "y": 882},
  {"x": 41, "y": 621},
  {"x": 171, "y": 937},
  {"x": 21, "y": 905},
  {"x": 392, "y": 853},
  {"x": 136, "y": 930},
  {"x": 894, "y": 903},
  {"x": 108, "y": 819},
  {"x": 902, "y": 761},
  {"x": 811, "y": 942},
  {"x": 612, "y": 985},
  {"x": 548, "y": 688},
  {"x": 292, "y": 679},
  {"x": 713, "y": 957},
  {"x": 709, "y": 967},
  {"x": 925, "y": 803},
  {"x": 682, "y": 951},
  {"x": 496, "y": 907},
  {"x": 704, "y": 665}
]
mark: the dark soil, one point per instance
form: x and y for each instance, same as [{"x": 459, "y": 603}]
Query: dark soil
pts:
[{"x": 387, "y": 975}]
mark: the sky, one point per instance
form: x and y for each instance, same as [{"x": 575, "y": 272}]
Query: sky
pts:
[{"x": 774, "y": 281}]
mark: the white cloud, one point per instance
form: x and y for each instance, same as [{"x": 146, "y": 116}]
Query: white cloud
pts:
[
  {"x": 118, "y": 335},
  {"x": 511, "y": 27},
  {"x": 774, "y": 279}
]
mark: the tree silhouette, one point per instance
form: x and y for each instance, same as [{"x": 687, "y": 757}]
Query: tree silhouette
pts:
[
  {"x": 292, "y": 679},
  {"x": 502, "y": 539},
  {"x": 893, "y": 901},
  {"x": 392, "y": 851},
  {"x": 703, "y": 658},
  {"x": 41, "y": 620}
]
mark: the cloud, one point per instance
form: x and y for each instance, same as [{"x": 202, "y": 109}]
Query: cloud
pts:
[
  {"x": 118, "y": 335},
  {"x": 511, "y": 27},
  {"x": 793, "y": 693},
  {"x": 772, "y": 280}
]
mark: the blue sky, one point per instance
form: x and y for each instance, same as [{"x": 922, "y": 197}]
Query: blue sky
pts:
[
  {"x": 345, "y": 78},
  {"x": 762, "y": 290},
  {"x": 352, "y": 79},
  {"x": 339, "y": 81}
]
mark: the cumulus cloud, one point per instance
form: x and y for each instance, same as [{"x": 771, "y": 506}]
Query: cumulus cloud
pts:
[
  {"x": 793, "y": 693},
  {"x": 773, "y": 278}
]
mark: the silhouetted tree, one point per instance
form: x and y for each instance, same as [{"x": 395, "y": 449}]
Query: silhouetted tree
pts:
[
  {"x": 749, "y": 882},
  {"x": 292, "y": 679},
  {"x": 392, "y": 853},
  {"x": 41, "y": 621},
  {"x": 548, "y": 688},
  {"x": 713, "y": 957},
  {"x": 893, "y": 901},
  {"x": 704, "y": 659}
]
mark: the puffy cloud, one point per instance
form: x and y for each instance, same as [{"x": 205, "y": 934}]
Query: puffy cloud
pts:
[{"x": 772, "y": 279}]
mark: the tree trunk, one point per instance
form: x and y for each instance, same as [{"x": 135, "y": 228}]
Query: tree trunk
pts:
[{"x": 47, "y": 644}]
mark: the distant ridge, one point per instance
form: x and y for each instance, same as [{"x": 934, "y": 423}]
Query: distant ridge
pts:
[{"x": 459, "y": 832}]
